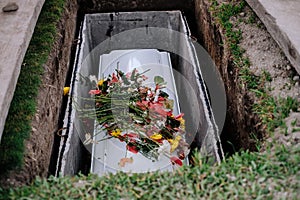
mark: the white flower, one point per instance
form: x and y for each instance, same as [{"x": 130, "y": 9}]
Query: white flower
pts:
[
  {"x": 93, "y": 78},
  {"x": 156, "y": 95},
  {"x": 129, "y": 90},
  {"x": 140, "y": 80},
  {"x": 89, "y": 140},
  {"x": 131, "y": 82},
  {"x": 160, "y": 123}
]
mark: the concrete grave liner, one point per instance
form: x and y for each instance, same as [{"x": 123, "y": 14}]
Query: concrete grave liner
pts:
[{"x": 166, "y": 31}]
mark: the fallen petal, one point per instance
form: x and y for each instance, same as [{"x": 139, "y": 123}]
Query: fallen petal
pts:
[{"x": 123, "y": 161}]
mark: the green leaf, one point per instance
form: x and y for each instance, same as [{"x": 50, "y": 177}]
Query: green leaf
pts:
[
  {"x": 159, "y": 80},
  {"x": 169, "y": 104},
  {"x": 132, "y": 77}
]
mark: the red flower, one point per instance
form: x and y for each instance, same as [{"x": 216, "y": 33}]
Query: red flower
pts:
[
  {"x": 176, "y": 160},
  {"x": 157, "y": 87},
  {"x": 181, "y": 155},
  {"x": 170, "y": 113},
  {"x": 131, "y": 135},
  {"x": 114, "y": 78},
  {"x": 95, "y": 92},
  {"x": 179, "y": 116},
  {"x": 160, "y": 141},
  {"x": 132, "y": 148},
  {"x": 161, "y": 99},
  {"x": 121, "y": 138},
  {"x": 141, "y": 105}
]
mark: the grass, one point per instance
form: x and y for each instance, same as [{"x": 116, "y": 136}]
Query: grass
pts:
[
  {"x": 245, "y": 175},
  {"x": 23, "y": 105},
  {"x": 272, "y": 112}
]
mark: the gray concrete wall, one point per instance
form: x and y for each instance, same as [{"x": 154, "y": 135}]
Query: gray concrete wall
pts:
[
  {"x": 16, "y": 29},
  {"x": 282, "y": 19}
]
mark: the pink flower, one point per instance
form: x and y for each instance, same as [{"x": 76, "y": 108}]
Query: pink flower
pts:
[
  {"x": 144, "y": 77},
  {"x": 161, "y": 99},
  {"x": 95, "y": 92},
  {"x": 158, "y": 108},
  {"x": 128, "y": 74}
]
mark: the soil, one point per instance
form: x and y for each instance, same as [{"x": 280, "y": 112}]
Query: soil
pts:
[
  {"x": 262, "y": 50},
  {"x": 266, "y": 56}
]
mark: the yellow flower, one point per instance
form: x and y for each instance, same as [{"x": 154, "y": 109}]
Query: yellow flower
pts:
[
  {"x": 100, "y": 82},
  {"x": 182, "y": 123},
  {"x": 175, "y": 143},
  {"x": 171, "y": 141},
  {"x": 66, "y": 90},
  {"x": 116, "y": 133},
  {"x": 156, "y": 136}
]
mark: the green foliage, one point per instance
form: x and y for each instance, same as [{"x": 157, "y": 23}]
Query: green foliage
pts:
[
  {"x": 267, "y": 76},
  {"x": 252, "y": 19},
  {"x": 226, "y": 11},
  {"x": 23, "y": 105},
  {"x": 271, "y": 111},
  {"x": 245, "y": 175}
]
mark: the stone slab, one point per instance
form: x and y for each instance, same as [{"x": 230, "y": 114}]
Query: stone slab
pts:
[
  {"x": 16, "y": 29},
  {"x": 282, "y": 20}
]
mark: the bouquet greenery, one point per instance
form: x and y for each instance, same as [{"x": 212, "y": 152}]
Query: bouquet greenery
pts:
[{"x": 140, "y": 115}]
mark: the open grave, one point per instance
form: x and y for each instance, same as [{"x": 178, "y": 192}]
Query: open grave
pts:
[{"x": 155, "y": 41}]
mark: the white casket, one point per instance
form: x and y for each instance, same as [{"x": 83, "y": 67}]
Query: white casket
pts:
[{"x": 106, "y": 154}]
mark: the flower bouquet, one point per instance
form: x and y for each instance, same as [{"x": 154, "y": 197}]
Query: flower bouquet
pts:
[{"x": 140, "y": 115}]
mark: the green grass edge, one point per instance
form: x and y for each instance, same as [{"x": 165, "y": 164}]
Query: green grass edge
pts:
[
  {"x": 23, "y": 106},
  {"x": 245, "y": 175}
]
